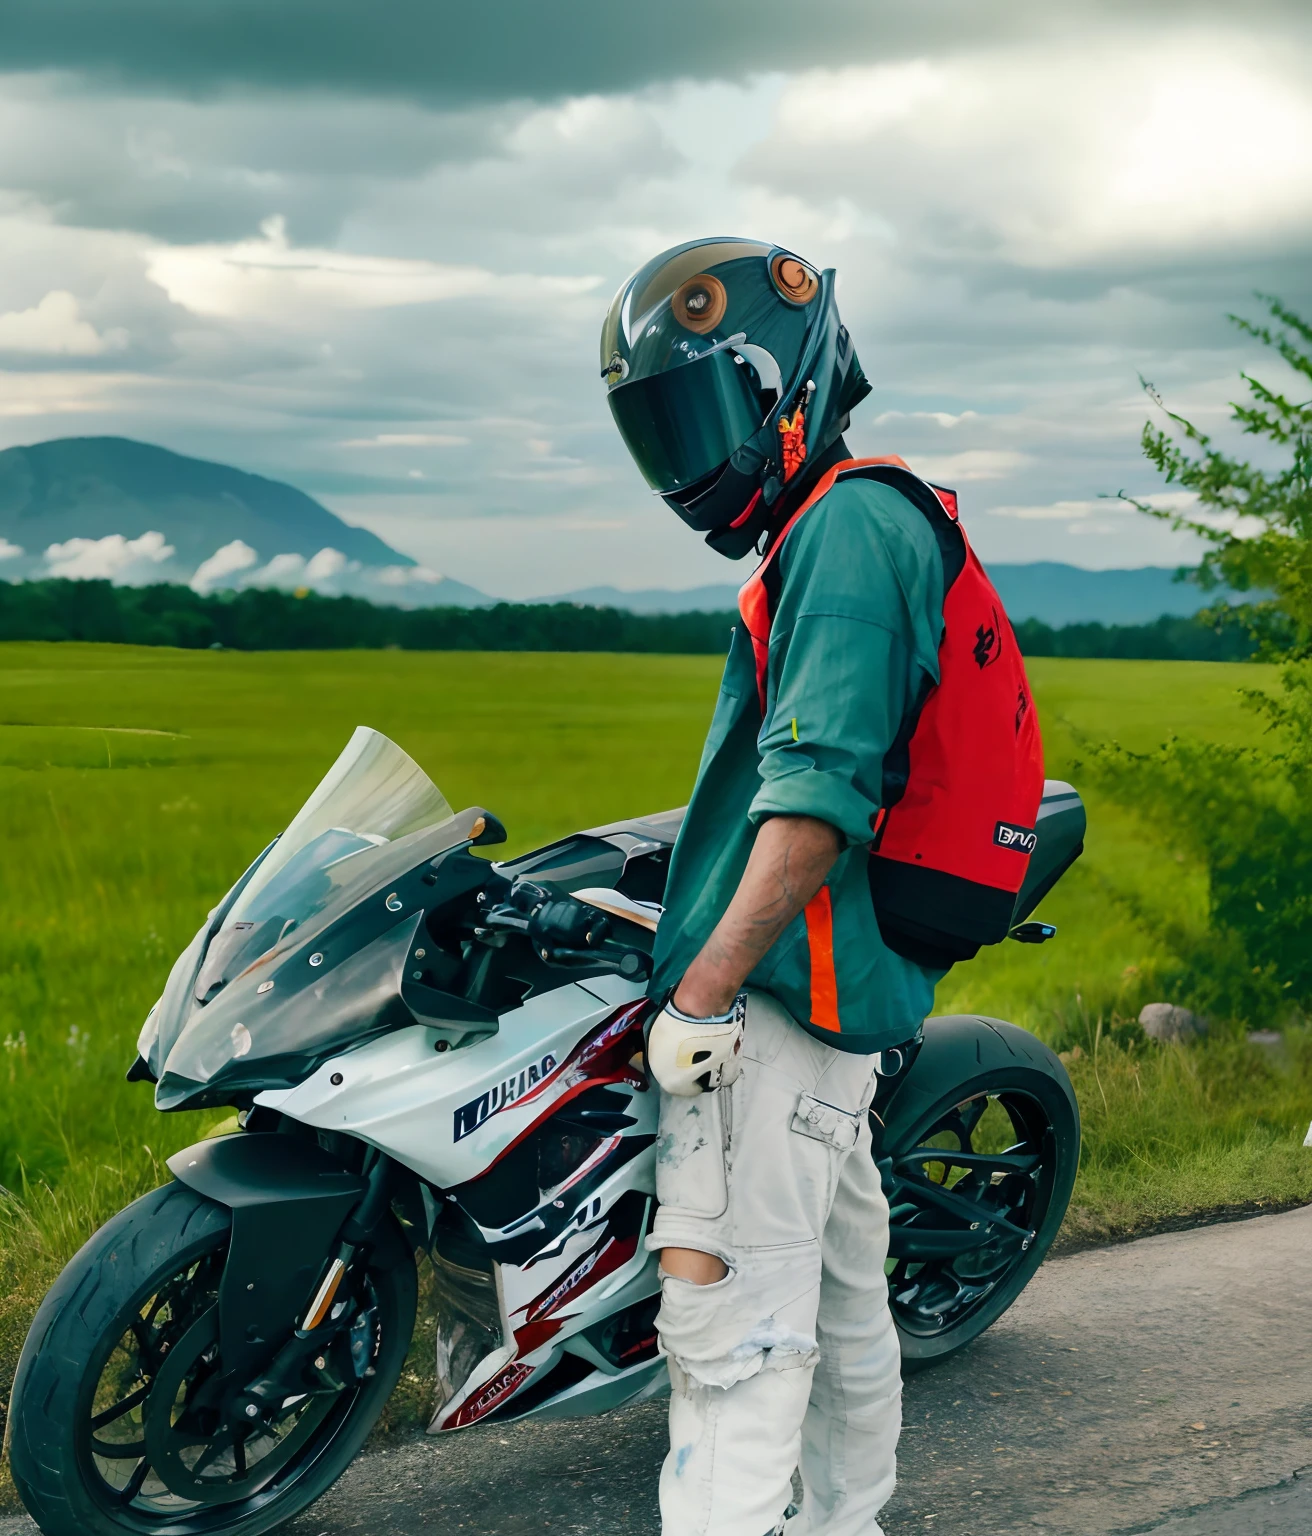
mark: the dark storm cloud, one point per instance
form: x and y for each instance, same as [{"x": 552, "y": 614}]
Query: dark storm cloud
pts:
[
  {"x": 213, "y": 210},
  {"x": 186, "y": 170},
  {"x": 465, "y": 52},
  {"x": 481, "y": 50}
]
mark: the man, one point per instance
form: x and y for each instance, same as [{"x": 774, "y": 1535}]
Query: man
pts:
[{"x": 731, "y": 379}]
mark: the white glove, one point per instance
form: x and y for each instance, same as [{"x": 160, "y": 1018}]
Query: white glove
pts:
[{"x": 689, "y": 1056}]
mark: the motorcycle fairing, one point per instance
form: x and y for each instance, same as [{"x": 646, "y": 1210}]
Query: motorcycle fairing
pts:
[
  {"x": 398, "y": 1093},
  {"x": 333, "y": 979},
  {"x": 583, "y": 1282},
  {"x": 632, "y": 856},
  {"x": 364, "y": 852},
  {"x": 548, "y": 1248},
  {"x": 545, "y": 1305}
]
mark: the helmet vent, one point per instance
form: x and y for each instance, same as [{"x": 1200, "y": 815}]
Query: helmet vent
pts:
[
  {"x": 795, "y": 282},
  {"x": 700, "y": 303}
]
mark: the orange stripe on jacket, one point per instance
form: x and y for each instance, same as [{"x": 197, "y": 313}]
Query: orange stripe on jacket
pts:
[{"x": 820, "y": 938}]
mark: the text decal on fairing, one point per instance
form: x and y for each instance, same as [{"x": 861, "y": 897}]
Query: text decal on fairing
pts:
[
  {"x": 500, "y": 1096},
  {"x": 576, "y": 1276}
]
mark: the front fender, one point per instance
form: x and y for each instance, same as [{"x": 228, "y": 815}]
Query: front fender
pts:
[{"x": 288, "y": 1199}]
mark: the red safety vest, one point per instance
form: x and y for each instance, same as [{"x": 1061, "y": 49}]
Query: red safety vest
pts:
[{"x": 963, "y": 781}]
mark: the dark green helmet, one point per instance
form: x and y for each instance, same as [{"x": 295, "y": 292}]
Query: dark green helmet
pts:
[{"x": 727, "y": 369}]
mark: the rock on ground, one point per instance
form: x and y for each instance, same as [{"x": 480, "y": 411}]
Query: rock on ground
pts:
[{"x": 1166, "y": 1021}]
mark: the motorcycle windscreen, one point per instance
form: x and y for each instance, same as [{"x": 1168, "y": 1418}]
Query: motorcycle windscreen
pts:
[
  {"x": 373, "y": 816},
  {"x": 372, "y": 795}
]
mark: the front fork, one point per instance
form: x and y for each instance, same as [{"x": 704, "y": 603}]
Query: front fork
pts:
[
  {"x": 280, "y": 1311},
  {"x": 316, "y": 1333}
]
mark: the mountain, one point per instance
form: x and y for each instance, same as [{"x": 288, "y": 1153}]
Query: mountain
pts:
[
  {"x": 95, "y": 487},
  {"x": 1067, "y": 594},
  {"x": 1047, "y": 590},
  {"x": 132, "y": 512}
]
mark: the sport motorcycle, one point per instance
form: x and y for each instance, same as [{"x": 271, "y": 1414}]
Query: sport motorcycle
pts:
[{"x": 437, "y": 1055}]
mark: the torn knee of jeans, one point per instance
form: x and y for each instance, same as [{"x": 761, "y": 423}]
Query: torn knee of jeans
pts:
[{"x": 719, "y": 1358}]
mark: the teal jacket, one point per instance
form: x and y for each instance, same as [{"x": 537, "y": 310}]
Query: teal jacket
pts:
[{"x": 855, "y": 635}]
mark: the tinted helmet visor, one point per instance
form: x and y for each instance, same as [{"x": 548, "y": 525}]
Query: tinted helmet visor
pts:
[{"x": 683, "y": 424}]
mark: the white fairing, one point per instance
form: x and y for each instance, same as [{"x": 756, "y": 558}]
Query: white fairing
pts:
[
  {"x": 400, "y": 1095},
  {"x": 576, "y": 1259}
]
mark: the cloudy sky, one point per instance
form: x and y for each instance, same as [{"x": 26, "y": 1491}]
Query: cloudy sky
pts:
[{"x": 367, "y": 249}]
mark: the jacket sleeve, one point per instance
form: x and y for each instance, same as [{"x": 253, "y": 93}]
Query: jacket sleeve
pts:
[{"x": 846, "y": 653}]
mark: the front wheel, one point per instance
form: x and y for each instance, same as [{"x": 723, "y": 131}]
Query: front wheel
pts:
[
  {"x": 978, "y": 1157},
  {"x": 121, "y": 1413}
]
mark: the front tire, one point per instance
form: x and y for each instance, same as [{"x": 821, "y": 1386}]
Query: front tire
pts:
[{"x": 85, "y": 1429}]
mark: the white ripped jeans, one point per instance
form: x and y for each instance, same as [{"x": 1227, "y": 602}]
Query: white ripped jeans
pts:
[{"x": 792, "y": 1359}]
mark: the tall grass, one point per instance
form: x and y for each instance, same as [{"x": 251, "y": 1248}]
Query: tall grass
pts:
[{"x": 136, "y": 784}]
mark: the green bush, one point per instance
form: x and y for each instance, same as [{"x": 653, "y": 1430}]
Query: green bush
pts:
[{"x": 1243, "y": 813}]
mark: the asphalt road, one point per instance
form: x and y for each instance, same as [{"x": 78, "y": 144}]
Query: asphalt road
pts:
[{"x": 1162, "y": 1387}]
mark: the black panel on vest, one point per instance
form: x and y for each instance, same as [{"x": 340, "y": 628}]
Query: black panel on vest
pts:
[
  {"x": 952, "y": 553},
  {"x": 951, "y": 544}
]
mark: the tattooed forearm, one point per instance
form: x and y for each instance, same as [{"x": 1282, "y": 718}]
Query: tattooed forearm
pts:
[{"x": 789, "y": 862}]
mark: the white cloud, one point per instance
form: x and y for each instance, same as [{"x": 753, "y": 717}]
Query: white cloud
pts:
[
  {"x": 9, "y": 551},
  {"x": 25, "y": 394},
  {"x": 1081, "y": 511},
  {"x": 1024, "y": 219},
  {"x": 972, "y": 464},
  {"x": 940, "y": 418},
  {"x": 55, "y": 326},
  {"x": 404, "y": 576},
  {"x": 224, "y": 562},
  {"x": 327, "y": 564},
  {"x": 266, "y": 278},
  {"x": 1053, "y": 512},
  {"x": 408, "y": 440},
  {"x": 1048, "y": 154},
  {"x": 113, "y": 558},
  {"x": 285, "y": 570},
  {"x": 327, "y": 570}
]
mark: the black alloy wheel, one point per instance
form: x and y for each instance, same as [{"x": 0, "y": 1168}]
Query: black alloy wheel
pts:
[
  {"x": 125, "y": 1422},
  {"x": 977, "y": 1188}
]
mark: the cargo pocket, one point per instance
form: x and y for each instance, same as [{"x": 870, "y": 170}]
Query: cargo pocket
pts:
[
  {"x": 691, "y": 1155},
  {"x": 827, "y": 1123}
]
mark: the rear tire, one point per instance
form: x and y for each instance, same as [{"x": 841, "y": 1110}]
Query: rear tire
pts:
[
  {"x": 108, "y": 1294},
  {"x": 1023, "y": 1114}
]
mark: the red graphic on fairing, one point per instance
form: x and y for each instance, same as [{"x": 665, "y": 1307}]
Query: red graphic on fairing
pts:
[
  {"x": 542, "y": 1319},
  {"x": 605, "y": 1057},
  {"x": 487, "y": 1397}
]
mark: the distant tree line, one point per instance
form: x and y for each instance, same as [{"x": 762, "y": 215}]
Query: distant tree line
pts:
[
  {"x": 1165, "y": 639},
  {"x": 263, "y": 619}
]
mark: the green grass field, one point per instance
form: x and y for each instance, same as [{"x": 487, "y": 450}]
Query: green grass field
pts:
[{"x": 135, "y": 784}]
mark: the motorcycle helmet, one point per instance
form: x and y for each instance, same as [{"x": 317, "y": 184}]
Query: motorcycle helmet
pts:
[{"x": 730, "y": 376}]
